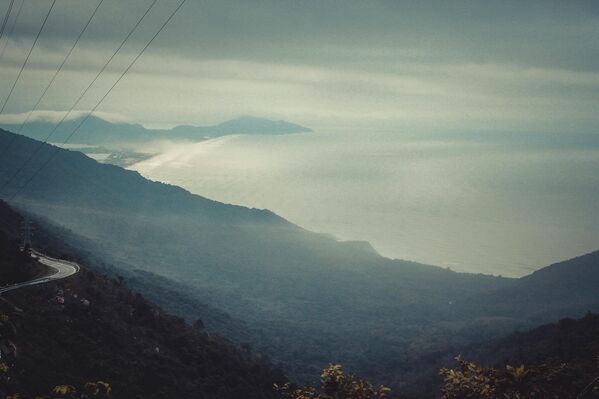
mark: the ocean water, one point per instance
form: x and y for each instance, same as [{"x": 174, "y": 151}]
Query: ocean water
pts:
[{"x": 503, "y": 204}]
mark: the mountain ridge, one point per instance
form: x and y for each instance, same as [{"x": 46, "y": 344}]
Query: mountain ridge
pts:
[
  {"x": 123, "y": 313},
  {"x": 307, "y": 299},
  {"x": 99, "y": 131},
  {"x": 94, "y": 327}
]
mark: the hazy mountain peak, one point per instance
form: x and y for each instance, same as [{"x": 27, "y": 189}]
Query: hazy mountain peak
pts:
[
  {"x": 253, "y": 125},
  {"x": 97, "y": 130},
  {"x": 240, "y": 125}
]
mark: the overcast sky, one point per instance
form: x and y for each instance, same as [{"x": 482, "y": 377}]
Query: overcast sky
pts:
[{"x": 330, "y": 65}]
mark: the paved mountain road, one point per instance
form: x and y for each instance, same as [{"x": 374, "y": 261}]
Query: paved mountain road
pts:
[{"x": 59, "y": 269}]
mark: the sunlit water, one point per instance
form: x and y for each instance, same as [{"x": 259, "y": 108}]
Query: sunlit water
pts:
[{"x": 499, "y": 205}]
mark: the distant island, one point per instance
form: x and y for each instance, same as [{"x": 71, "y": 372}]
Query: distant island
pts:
[
  {"x": 119, "y": 143},
  {"x": 241, "y": 125},
  {"x": 97, "y": 131}
]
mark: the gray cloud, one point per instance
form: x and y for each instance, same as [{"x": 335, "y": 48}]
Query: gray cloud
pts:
[{"x": 461, "y": 64}]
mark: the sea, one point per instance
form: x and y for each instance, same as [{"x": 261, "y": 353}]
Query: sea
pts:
[{"x": 482, "y": 202}]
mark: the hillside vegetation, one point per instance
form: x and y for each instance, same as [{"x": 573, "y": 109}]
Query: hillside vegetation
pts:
[
  {"x": 305, "y": 298},
  {"x": 91, "y": 328},
  {"x": 91, "y": 336}
]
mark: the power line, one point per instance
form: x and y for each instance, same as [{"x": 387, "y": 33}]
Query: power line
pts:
[
  {"x": 99, "y": 102},
  {"x": 66, "y": 115},
  {"x": 53, "y": 79},
  {"x": 124, "y": 72},
  {"x": 99, "y": 73},
  {"x": 27, "y": 58},
  {"x": 12, "y": 28},
  {"x": 27, "y": 229},
  {"x": 5, "y": 20}
]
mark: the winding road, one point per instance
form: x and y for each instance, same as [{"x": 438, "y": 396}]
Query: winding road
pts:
[{"x": 59, "y": 269}]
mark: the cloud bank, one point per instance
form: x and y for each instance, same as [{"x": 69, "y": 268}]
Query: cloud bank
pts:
[{"x": 498, "y": 65}]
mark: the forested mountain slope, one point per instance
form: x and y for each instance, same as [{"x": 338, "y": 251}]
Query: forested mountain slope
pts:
[
  {"x": 91, "y": 328},
  {"x": 564, "y": 287},
  {"x": 307, "y": 298}
]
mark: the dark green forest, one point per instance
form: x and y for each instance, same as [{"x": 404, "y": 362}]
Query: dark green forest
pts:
[
  {"x": 103, "y": 331},
  {"x": 303, "y": 299},
  {"x": 106, "y": 340}
]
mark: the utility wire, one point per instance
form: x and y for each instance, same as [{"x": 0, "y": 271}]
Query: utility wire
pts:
[
  {"x": 66, "y": 115},
  {"x": 124, "y": 72},
  {"x": 100, "y": 72},
  {"x": 99, "y": 102},
  {"x": 12, "y": 28},
  {"x": 27, "y": 58},
  {"x": 52, "y": 80},
  {"x": 5, "y": 20}
]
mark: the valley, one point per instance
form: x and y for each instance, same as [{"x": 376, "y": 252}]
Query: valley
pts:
[
  {"x": 303, "y": 299},
  {"x": 243, "y": 199}
]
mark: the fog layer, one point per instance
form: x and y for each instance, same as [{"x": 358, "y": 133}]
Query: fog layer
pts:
[{"x": 503, "y": 204}]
